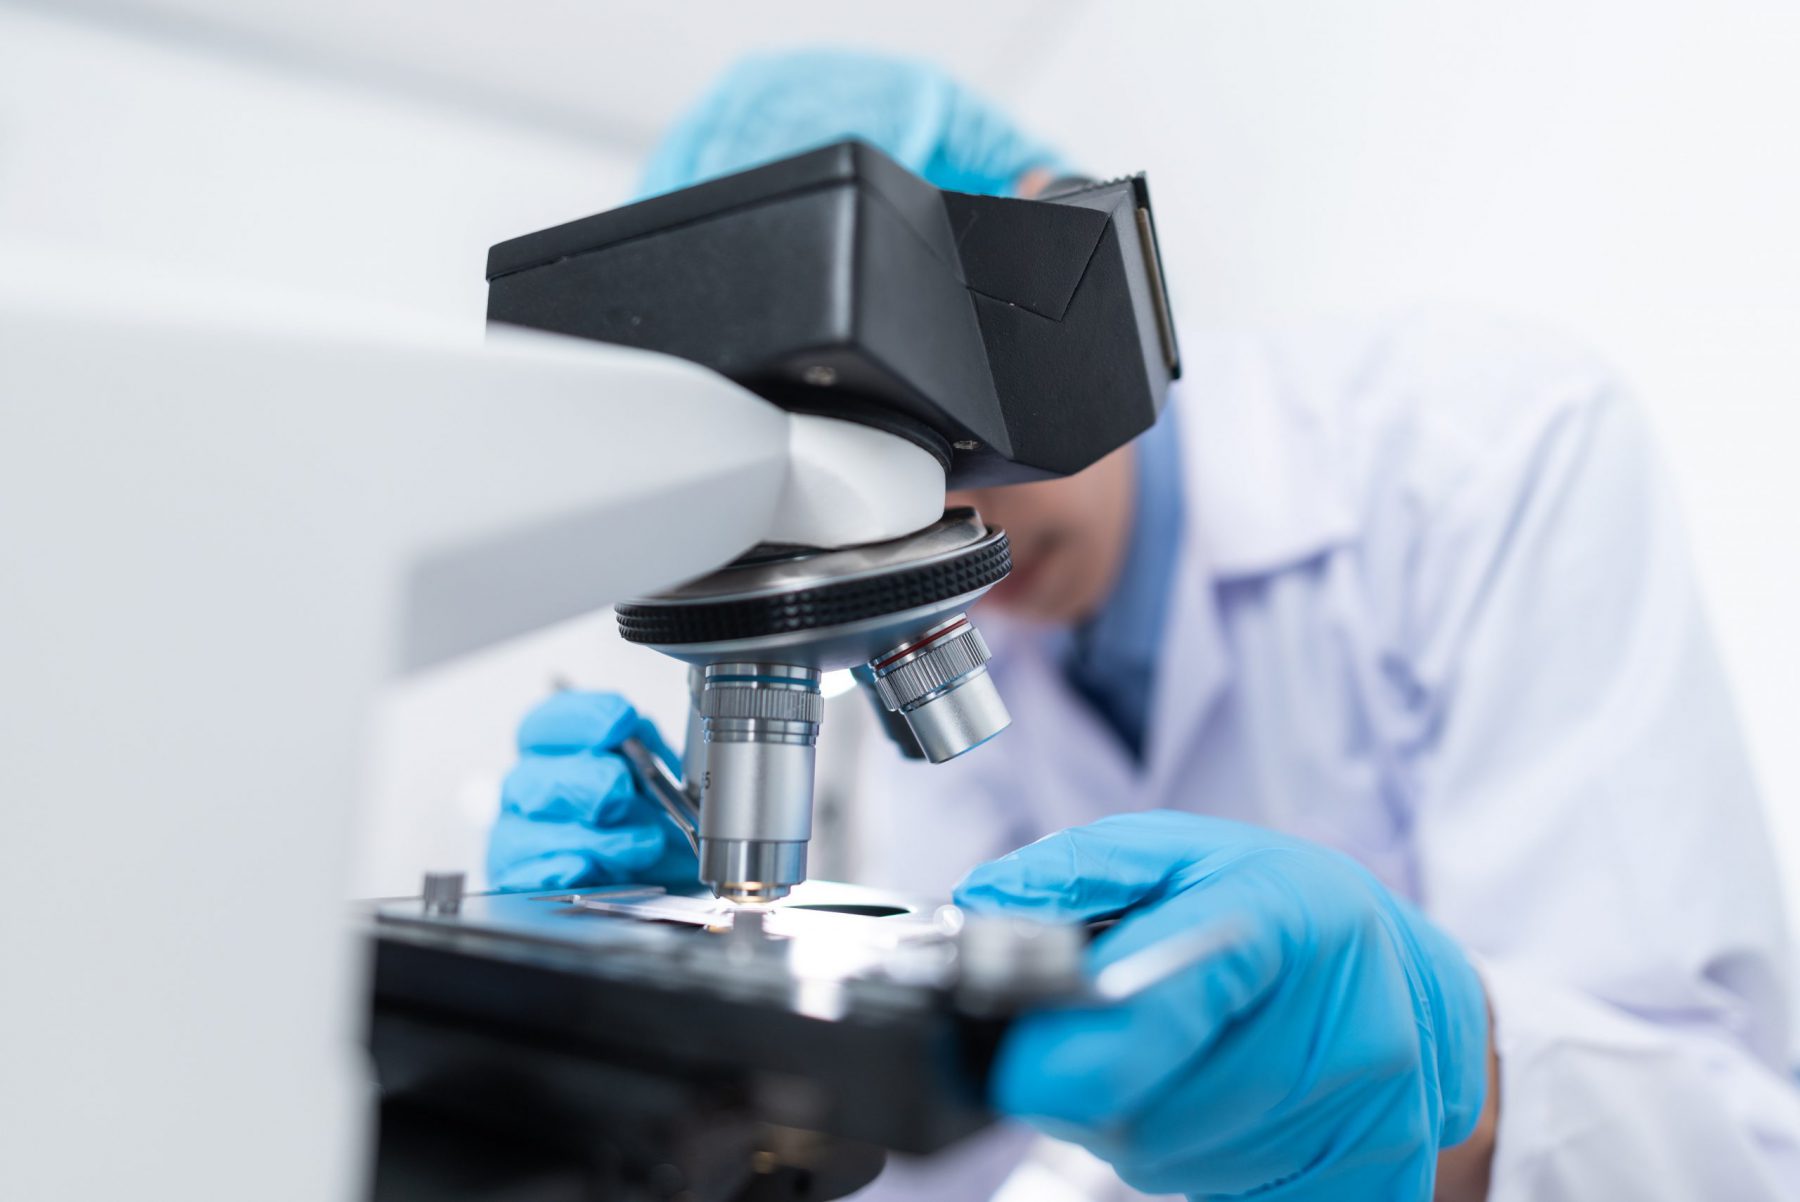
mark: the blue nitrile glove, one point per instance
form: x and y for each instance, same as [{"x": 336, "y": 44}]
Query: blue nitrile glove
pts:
[
  {"x": 1328, "y": 1052},
  {"x": 572, "y": 813},
  {"x": 770, "y": 106}
]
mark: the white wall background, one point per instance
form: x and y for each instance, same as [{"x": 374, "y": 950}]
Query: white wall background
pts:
[{"x": 1628, "y": 170}]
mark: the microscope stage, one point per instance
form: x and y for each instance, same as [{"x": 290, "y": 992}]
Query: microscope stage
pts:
[{"x": 617, "y": 1015}]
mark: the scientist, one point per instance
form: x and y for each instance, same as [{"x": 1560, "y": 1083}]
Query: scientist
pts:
[{"x": 1384, "y": 644}]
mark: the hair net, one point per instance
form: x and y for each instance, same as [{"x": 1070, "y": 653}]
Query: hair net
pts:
[{"x": 774, "y": 105}]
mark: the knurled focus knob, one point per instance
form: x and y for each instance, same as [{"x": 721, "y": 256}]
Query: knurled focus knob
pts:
[{"x": 939, "y": 684}]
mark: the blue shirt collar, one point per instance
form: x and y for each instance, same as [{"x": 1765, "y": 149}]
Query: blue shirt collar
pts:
[
  {"x": 1111, "y": 659},
  {"x": 1129, "y": 625}
]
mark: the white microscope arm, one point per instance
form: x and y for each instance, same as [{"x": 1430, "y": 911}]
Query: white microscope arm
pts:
[
  {"x": 224, "y": 525},
  {"x": 670, "y": 472}
]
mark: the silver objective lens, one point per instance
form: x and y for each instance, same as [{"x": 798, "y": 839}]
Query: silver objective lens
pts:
[
  {"x": 939, "y": 684},
  {"x": 761, "y": 727}
]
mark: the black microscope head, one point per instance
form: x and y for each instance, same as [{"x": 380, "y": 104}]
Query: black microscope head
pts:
[{"x": 1015, "y": 339}]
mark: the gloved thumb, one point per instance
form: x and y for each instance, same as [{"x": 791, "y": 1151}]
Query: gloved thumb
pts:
[{"x": 1087, "y": 872}]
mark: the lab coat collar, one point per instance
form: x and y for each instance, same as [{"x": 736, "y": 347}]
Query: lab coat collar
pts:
[
  {"x": 1265, "y": 485},
  {"x": 1264, "y": 491},
  {"x": 1112, "y": 658},
  {"x": 1261, "y": 493},
  {"x": 1194, "y": 665},
  {"x": 1193, "y": 669}
]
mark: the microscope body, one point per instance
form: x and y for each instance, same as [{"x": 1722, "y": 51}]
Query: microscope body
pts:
[{"x": 1002, "y": 340}]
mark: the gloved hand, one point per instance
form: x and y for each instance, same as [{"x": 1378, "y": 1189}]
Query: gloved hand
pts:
[
  {"x": 773, "y": 105},
  {"x": 572, "y": 813},
  {"x": 1328, "y": 1052}
]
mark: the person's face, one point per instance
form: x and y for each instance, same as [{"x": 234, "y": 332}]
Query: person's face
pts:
[{"x": 1068, "y": 538}]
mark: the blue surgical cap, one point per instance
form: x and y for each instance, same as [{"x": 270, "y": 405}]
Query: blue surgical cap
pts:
[{"x": 774, "y": 105}]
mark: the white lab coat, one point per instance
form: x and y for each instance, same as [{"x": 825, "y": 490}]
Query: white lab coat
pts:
[{"x": 1434, "y": 609}]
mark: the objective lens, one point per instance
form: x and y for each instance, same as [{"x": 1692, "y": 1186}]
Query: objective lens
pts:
[
  {"x": 939, "y": 684},
  {"x": 761, "y": 726}
]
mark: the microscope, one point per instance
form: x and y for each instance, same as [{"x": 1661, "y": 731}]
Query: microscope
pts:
[
  {"x": 980, "y": 340},
  {"x": 629, "y": 1043}
]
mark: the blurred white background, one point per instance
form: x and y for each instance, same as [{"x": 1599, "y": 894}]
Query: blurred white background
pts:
[{"x": 1628, "y": 170}]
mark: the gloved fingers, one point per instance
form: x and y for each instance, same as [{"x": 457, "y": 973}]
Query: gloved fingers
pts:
[
  {"x": 1071, "y": 876},
  {"x": 1258, "y": 1117},
  {"x": 595, "y": 790},
  {"x": 1223, "y": 1111},
  {"x": 1099, "y": 1068},
  {"x": 646, "y": 733},
  {"x": 677, "y": 867},
  {"x": 1219, "y": 1130},
  {"x": 526, "y": 853},
  {"x": 573, "y": 721},
  {"x": 1102, "y": 868},
  {"x": 1232, "y": 1106}
]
